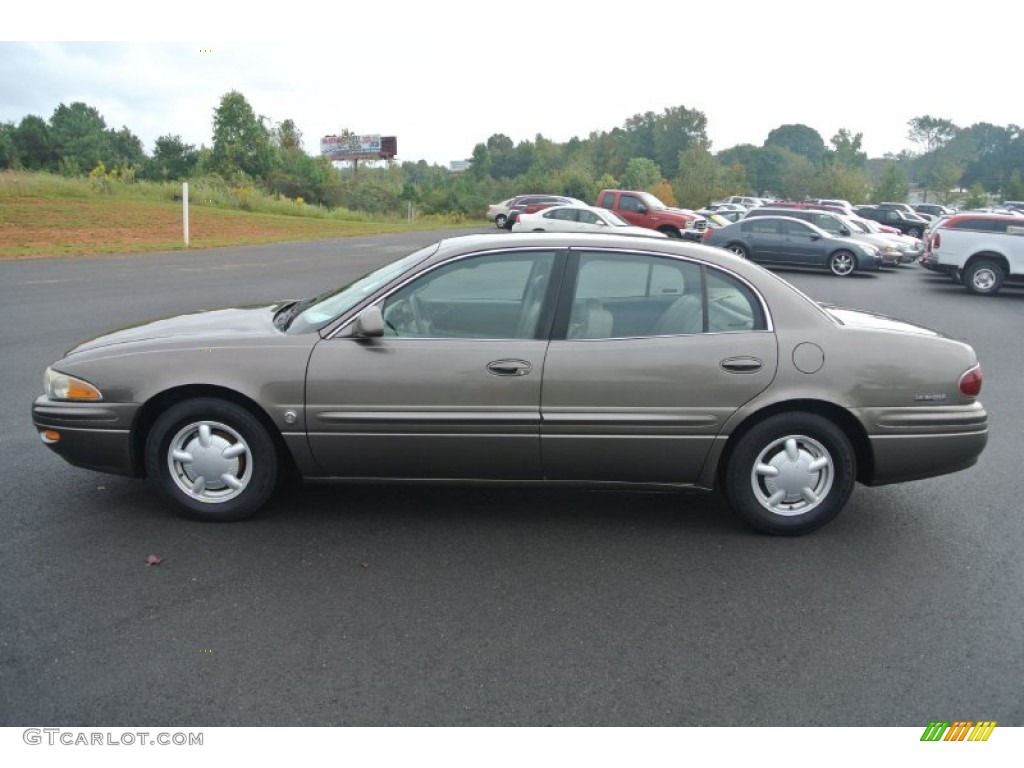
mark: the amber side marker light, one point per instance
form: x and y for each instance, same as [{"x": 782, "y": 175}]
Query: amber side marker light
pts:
[{"x": 50, "y": 436}]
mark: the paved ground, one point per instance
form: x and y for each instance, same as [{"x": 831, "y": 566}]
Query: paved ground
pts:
[{"x": 374, "y": 606}]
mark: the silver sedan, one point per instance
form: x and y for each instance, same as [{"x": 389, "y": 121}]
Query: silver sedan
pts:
[{"x": 584, "y": 360}]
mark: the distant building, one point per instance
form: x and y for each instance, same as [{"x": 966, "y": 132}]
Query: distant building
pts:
[{"x": 459, "y": 166}]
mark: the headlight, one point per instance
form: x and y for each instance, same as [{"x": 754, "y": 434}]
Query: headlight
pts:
[{"x": 60, "y": 386}]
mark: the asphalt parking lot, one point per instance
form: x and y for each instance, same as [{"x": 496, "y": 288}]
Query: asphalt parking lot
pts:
[{"x": 367, "y": 605}]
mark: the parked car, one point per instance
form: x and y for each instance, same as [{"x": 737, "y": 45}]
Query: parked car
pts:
[
  {"x": 593, "y": 360},
  {"x": 642, "y": 209},
  {"x": 786, "y": 241},
  {"x": 980, "y": 250},
  {"x": 908, "y": 224},
  {"x": 838, "y": 226},
  {"x": 579, "y": 218},
  {"x": 534, "y": 203},
  {"x": 498, "y": 212},
  {"x": 933, "y": 209}
]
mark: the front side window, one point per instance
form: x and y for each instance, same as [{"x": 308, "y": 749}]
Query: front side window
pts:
[{"x": 495, "y": 296}]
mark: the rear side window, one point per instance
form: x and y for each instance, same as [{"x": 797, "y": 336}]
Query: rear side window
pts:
[{"x": 608, "y": 200}]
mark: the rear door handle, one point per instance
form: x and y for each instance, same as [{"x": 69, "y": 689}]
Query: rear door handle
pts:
[
  {"x": 742, "y": 364},
  {"x": 509, "y": 368}
]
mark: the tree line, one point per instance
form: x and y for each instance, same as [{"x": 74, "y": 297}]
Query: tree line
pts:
[{"x": 667, "y": 153}]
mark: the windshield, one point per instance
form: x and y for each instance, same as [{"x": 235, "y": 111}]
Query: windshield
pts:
[
  {"x": 615, "y": 220},
  {"x": 651, "y": 201},
  {"x": 329, "y": 305}
]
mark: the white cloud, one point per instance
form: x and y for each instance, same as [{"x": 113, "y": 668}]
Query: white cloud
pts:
[{"x": 446, "y": 75}]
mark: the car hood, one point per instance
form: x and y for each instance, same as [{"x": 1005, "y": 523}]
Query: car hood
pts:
[
  {"x": 233, "y": 322},
  {"x": 858, "y": 318}
]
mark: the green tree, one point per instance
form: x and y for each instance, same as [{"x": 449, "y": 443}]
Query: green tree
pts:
[
  {"x": 125, "y": 149},
  {"x": 642, "y": 174},
  {"x": 930, "y": 132},
  {"x": 747, "y": 159},
  {"x": 8, "y": 149},
  {"x": 799, "y": 139},
  {"x": 172, "y": 159},
  {"x": 946, "y": 181},
  {"x": 34, "y": 144},
  {"x": 80, "y": 137},
  {"x": 675, "y": 130},
  {"x": 241, "y": 143},
  {"x": 836, "y": 180},
  {"x": 976, "y": 197},
  {"x": 846, "y": 150},
  {"x": 699, "y": 180},
  {"x": 892, "y": 186}
]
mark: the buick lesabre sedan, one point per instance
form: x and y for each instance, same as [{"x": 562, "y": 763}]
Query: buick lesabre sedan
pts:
[{"x": 585, "y": 360}]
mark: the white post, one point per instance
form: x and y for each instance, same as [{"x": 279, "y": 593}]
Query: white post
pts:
[{"x": 184, "y": 210}]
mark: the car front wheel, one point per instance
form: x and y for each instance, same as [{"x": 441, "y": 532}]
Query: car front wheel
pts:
[
  {"x": 842, "y": 263},
  {"x": 212, "y": 460},
  {"x": 499, "y": 220},
  {"x": 739, "y": 250},
  {"x": 790, "y": 474}
]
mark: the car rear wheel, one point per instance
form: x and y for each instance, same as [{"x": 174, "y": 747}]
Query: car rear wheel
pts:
[
  {"x": 984, "y": 276},
  {"x": 212, "y": 460},
  {"x": 790, "y": 474},
  {"x": 842, "y": 263},
  {"x": 739, "y": 250},
  {"x": 499, "y": 220},
  {"x": 671, "y": 232},
  {"x": 914, "y": 232}
]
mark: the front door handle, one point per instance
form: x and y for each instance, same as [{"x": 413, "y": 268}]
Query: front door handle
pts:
[
  {"x": 742, "y": 364},
  {"x": 509, "y": 368}
]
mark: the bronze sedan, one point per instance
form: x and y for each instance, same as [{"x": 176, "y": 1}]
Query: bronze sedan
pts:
[{"x": 586, "y": 360}]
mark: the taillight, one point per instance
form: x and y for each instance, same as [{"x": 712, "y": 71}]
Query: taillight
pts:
[
  {"x": 970, "y": 381},
  {"x": 707, "y": 234},
  {"x": 936, "y": 240}
]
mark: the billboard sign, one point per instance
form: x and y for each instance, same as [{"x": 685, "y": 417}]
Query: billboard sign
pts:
[{"x": 350, "y": 146}]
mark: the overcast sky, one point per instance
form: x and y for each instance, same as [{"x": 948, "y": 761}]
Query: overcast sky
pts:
[{"x": 445, "y": 75}]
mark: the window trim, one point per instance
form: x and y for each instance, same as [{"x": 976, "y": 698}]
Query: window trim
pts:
[
  {"x": 559, "y": 327},
  {"x": 543, "y": 324}
]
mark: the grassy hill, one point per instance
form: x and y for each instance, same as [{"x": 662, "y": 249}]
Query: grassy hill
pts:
[{"x": 44, "y": 216}]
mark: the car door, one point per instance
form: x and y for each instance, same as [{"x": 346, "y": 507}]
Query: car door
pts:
[
  {"x": 650, "y": 356},
  {"x": 801, "y": 245},
  {"x": 452, "y": 390},
  {"x": 764, "y": 237}
]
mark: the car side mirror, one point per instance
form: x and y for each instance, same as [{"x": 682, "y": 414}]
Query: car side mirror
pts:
[
  {"x": 642, "y": 210},
  {"x": 844, "y": 232},
  {"x": 369, "y": 323},
  {"x": 815, "y": 236}
]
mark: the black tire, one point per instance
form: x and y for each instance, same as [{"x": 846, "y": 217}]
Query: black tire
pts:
[
  {"x": 914, "y": 232},
  {"x": 842, "y": 263},
  {"x": 672, "y": 232},
  {"x": 252, "y": 466},
  {"x": 984, "y": 277},
  {"x": 790, "y": 443},
  {"x": 739, "y": 249},
  {"x": 499, "y": 220}
]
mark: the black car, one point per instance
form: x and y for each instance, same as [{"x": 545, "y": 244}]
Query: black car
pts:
[
  {"x": 905, "y": 223},
  {"x": 934, "y": 209}
]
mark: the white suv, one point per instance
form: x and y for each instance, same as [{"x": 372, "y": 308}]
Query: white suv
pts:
[{"x": 982, "y": 250}]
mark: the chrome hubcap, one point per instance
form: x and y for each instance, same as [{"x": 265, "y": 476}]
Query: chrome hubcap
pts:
[
  {"x": 984, "y": 279},
  {"x": 209, "y": 461},
  {"x": 792, "y": 475},
  {"x": 842, "y": 264}
]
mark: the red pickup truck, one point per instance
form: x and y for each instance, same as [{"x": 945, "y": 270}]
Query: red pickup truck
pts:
[{"x": 642, "y": 209}]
